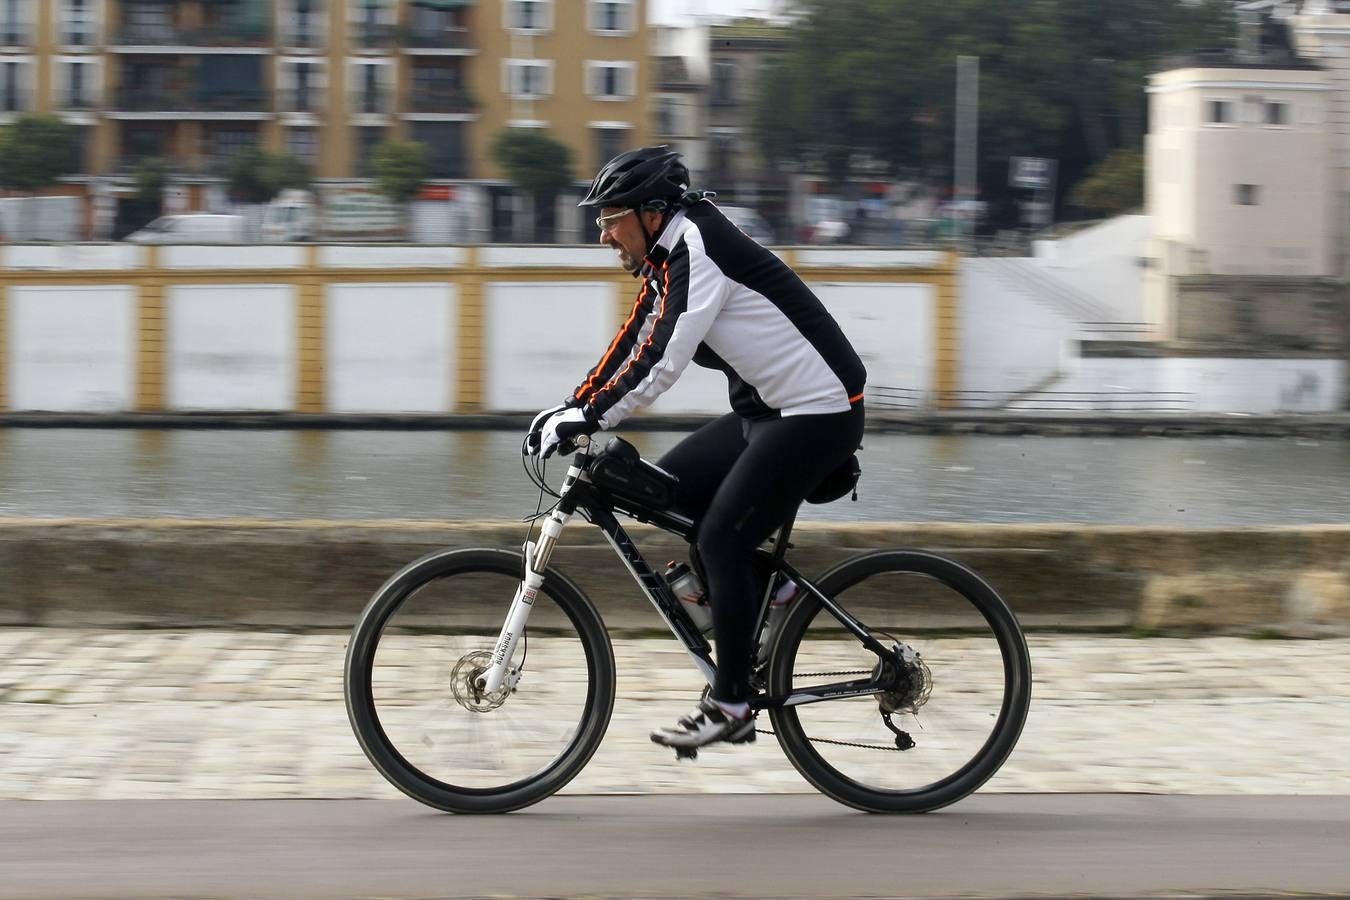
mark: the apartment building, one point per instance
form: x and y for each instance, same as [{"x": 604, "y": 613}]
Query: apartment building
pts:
[{"x": 326, "y": 80}]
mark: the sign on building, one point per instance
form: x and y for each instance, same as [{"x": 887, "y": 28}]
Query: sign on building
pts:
[{"x": 1032, "y": 172}]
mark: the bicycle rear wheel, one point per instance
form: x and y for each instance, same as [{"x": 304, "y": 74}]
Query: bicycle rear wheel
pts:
[
  {"x": 409, "y": 676},
  {"x": 959, "y": 705}
]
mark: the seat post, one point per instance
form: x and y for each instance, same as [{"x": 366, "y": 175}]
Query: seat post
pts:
[{"x": 780, "y": 542}]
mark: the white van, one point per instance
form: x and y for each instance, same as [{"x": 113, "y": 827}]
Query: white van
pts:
[{"x": 191, "y": 228}]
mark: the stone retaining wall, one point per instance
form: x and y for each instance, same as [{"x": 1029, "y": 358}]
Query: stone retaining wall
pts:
[{"x": 304, "y": 574}]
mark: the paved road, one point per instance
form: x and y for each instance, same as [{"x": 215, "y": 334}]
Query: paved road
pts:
[{"x": 678, "y": 846}]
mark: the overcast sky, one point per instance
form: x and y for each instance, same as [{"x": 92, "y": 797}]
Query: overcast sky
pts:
[{"x": 665, "y": 12}]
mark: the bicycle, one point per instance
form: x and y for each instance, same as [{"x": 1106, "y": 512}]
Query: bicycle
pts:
[{"x": 448, "y": 714}]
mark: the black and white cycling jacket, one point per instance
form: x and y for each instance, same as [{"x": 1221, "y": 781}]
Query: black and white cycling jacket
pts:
[{"x": 712, "y": 296}]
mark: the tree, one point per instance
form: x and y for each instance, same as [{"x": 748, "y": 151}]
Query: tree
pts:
[
  {"x": 537, "y": 165},
  {"x": 1062, "y": 79},
  {"x": 1113, "y": 186},
  {"x": 36, "y": 151},
  {"x": 152, "y": 175},
  {"x": 256, "y": 176},
  {"x": 401, "y": 169}
]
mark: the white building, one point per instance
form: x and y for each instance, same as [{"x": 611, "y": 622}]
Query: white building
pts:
[{"x": 1245, "y": 187}]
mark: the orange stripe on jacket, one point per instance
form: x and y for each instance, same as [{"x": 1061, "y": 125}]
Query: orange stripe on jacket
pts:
[
  {"x": 614, "y": 345},
  {"x": 665, "y": 298}
]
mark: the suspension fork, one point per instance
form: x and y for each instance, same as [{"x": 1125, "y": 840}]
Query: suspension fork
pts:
[{"x": 537, "y": 554}]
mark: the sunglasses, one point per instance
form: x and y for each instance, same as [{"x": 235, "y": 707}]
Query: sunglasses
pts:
[{"x": 605, "y": 222}]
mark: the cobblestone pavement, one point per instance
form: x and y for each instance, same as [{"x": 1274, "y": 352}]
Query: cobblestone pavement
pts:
[{"x": 215, "y": 714}]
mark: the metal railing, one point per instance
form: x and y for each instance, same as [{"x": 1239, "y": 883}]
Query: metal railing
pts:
[
  {"x": 441, "y": 101},
  {"x": 450, "y": 38},
  {"x": 1118, "y": 401},
  {"x": 142, "y": 100},
  {"x": 222, "y": 35}
]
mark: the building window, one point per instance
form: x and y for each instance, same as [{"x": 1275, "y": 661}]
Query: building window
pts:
[
  {"x": 13, "y": 79},
  {"x": 724, "y": 82},
  {"x": 79, "y": 85},
  {"x": 611, "y": 80},
  {"x": 303, "y": 144},
  {"x": 303, "y": 23},
  {"x": 526, "y": 78},
  {"x": 611, "y": 16},
  {"x": 446, "y": 147},
  {"x": 1247, "y": 194},
  {"x": 529, "y": 15},
  {"x": 226, "y": 143},
  {"x": 303, "y": 83},
  {"x": 367, "y": 139},
  {"x": 666, "y": 116},
  {"x": 368, "y": 86},
  {"x": 1220, "y": 112},
  {"x": 79, "y": 25},
  {"x": 609, "y": 143},
  {"x": 13, "y": 23},
  {"x": 1277, "y": 113},
  {"x": 148, "y": 22}
]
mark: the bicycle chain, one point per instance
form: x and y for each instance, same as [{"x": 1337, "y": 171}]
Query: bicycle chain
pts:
[{"x": 830, "y": 740}]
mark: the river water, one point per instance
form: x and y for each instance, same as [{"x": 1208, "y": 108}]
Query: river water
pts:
[{"x": 453, "y": 475}]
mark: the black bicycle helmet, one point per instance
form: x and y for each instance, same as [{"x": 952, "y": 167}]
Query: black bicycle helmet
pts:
[{"x": 634, "y": 177}]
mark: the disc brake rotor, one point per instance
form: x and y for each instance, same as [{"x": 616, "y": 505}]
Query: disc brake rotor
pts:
[{"x": 464, "y": 683}]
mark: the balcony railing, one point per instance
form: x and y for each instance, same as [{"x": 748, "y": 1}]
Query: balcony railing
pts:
[
  {"x": 142, "y": 100},
  {"x": 77, "y": 102},
  {"x": 425, "y": 38},
  {"x": 376, "y": 37},
  {"x": 310, "y": 101},
  {"x": 311, "y": 39},
  {"x": 237, "y": 34},
  {"x": 371, "y": 103},
  {"x": 441, "y": 100}
]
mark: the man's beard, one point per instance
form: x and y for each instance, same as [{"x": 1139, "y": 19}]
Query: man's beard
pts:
[{"x": 630, "y": 265}]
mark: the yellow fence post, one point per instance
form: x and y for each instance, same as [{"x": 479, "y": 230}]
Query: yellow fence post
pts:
[
  {"x": 470, "y": 337},
  {"x": 150, "y": 345},
  {"x": 4, "y": 346},
  {"x": 310, "y": 395},
  {"x": 946, "y": 378}
]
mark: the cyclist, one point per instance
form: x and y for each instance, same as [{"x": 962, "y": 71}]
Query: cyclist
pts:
[{"x": 712, "y": 296}]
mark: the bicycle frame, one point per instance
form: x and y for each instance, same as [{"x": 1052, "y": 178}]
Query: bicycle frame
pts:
[{"x": 578, "y": 494}]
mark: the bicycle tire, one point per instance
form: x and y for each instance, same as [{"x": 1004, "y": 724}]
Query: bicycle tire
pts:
[
  {"x": 936, "y": 577},
  {"x": 456, "y": 791}
]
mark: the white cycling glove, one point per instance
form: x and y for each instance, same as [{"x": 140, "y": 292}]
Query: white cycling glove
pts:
[
  {"x": 565, "y": 426},
  {"x": 532, "y": 436}
]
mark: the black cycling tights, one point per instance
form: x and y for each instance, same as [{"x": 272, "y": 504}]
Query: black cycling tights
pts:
[{"x": 740, "y": 480}]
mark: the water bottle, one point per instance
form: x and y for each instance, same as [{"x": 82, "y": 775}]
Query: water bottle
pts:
[
  {"x": 689, "y": 589},
  {"x": 778, "y": 608}
]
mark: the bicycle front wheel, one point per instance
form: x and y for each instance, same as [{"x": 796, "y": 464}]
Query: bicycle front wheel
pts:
[
  {"x": 409, "y": 684},
  {"x": 947, "y": 721}
]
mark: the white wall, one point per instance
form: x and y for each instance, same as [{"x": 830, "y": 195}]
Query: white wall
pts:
[
  {"x": 1008, "y": 341},
  {"x": 72, "y": 349},
  {"x": 542, "y": 338},
  {"x": 893, "y": 328},
  {"x": 1252, "y": 386},
  {"x": 391, "y": 347},
  {"x": 231, "y": 347},
  {"x": 1103, "y": 263}
]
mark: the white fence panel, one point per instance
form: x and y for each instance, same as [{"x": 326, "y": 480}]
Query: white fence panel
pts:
[
  {"x": 72, "y": 349},
  {"x": 391, "y": 348},
  {"x": 231, "y": 347}
]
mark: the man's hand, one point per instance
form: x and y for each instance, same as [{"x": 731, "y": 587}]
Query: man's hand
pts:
[
  {"x": 565, "y": 426},
  {"x": 532, "y": 436}
]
